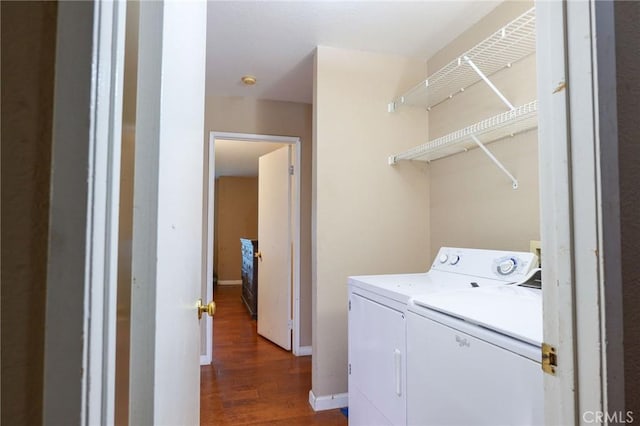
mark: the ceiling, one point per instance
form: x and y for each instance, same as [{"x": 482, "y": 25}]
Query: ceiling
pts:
[
  {"x": 275, "y": 40},
  {"x": 240, "y": 158}
]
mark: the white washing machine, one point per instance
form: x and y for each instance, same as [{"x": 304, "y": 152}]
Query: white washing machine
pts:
[
  {"x": 474, "y": 358},
  {"x": 377, "y": 324}
]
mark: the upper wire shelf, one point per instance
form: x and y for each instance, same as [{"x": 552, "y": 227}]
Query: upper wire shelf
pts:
[
  {"x": 512, "y": 43},
  {"x": 499, "y": 126}
]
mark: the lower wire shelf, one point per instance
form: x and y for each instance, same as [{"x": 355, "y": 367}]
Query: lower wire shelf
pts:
[
  {"x": 512, "y": 122},
  {"x": 517, "y": 120}
]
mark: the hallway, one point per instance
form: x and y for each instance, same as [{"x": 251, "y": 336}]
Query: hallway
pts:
[{"x": 251, "y": 380}]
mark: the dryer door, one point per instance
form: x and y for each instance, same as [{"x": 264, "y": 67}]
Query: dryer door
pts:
[{"x": 377, "y": 364}]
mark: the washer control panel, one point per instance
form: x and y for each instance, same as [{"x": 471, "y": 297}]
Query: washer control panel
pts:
[{"x": 494, "y": 264}]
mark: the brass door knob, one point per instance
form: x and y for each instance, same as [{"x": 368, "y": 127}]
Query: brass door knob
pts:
[
  {"x": 209, "y": 308},
  {"x": 258, "y": 255}
]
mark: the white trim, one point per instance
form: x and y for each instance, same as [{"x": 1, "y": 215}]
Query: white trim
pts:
[
  {"x": 79, "y": 357},
  {"x": 328, "y": 402},
  {"x": 555, "y": 214},
  {"x": 579, "y": 216},
  {"x": 208, "y": 253},
  {"x": 229, "y": 282},
  {"x": 250, "y": 137},
  {"x": 585, "y": 211},
  {"x": 296, "y": 241},
  {"x": 205, "y": 360},
  {"x": 303, "y": 351}
]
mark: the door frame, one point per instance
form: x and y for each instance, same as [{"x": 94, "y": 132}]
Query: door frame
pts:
[
  {"x": 80, "y": 321},
  {"x": 208, "y": 260},
  {"x": 580, "y": 228}
]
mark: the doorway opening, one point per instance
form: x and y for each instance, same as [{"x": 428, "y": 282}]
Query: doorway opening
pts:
[{"x": 259, "y": 143}]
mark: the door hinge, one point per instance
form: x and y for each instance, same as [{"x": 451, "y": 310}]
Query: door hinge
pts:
[
  {"x": 290, "y": 324},
  {"x": 549, "y": 359},
  {"x": 291, "y": 170},
  {"x": 349, "y": 368},
  {"x": 349, "y": 304}
]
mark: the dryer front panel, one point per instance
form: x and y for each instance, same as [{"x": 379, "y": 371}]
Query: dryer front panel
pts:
[{"x": 377, "y": 361}]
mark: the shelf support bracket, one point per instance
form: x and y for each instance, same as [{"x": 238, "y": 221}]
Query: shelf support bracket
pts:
[
  {"x": 489, "y": 83},
  {"x": 514, "y": 181}
]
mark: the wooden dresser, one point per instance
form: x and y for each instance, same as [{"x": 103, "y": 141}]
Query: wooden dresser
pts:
[{"x": 250, "y": 275}]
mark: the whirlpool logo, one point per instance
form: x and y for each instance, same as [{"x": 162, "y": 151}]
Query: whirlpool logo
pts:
[{"x": 462, "y": 341}]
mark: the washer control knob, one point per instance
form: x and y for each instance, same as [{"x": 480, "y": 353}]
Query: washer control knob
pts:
[
  {"x": 454, "y": 259},
  {"x": 443, "y": 258},
  {"x": 507, "y": 266}
]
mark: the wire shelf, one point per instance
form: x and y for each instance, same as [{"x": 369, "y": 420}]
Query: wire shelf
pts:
[
  {"x": 512, "y": 43},
  {"x": 518, "y": 120}
]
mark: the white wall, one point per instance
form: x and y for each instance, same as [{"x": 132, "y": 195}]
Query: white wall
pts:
[
  {"x": 369, "y": 217},
  {"x": 125, "y": 234}
]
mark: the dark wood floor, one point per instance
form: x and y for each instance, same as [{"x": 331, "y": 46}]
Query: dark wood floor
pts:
[{"x": 252, "y": 381}]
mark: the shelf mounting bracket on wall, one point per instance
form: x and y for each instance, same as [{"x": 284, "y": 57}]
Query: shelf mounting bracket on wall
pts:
[
  {"x": 489, "y": 83},
  {"x": 514, "y": 181}
]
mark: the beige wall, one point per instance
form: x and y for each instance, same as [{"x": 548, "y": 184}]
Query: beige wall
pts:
[
  {"x": 125, "y": 231},
  {"x": 28, "y": 58},
  {"x": 472, "y": 203},
  {"x": 627, "y": 15},
  {"x": 236, "y": 217},
  {"x": 125, "y": 235},
  {"x": 369, "y": 217},
  {"x": 246, "y": 115}
]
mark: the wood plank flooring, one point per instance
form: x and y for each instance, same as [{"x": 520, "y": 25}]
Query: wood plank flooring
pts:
[{"x": 251, "y": 380}]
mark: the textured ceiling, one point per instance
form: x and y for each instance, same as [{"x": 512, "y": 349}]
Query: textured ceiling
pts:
[{"x": 275, "y": 41}]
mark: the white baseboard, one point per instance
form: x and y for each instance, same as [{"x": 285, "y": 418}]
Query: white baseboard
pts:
[
  {"x": 304, "y": 351},
  {"x": 205, "y": 359},
  {"x": 229, "y": 282},
  {"x": 328, "y": 402}
]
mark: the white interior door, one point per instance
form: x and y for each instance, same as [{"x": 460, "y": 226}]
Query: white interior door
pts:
[
  {"x": 274, "y": 246},
  {"x": 167, "y": 221}
]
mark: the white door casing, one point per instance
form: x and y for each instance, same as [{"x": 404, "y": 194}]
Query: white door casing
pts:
[
  {"x": 208, "y": 225},
  {"x": 294, "y": 142},
  {"x": 577, "y": 139},
  {"x": 79, "y": 350},
  {"x": 167, "y": 221},
  {"x": 274, "y": 245}
]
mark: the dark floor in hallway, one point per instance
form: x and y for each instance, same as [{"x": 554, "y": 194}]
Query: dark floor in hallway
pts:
[{"x": 251, "y": 380}]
